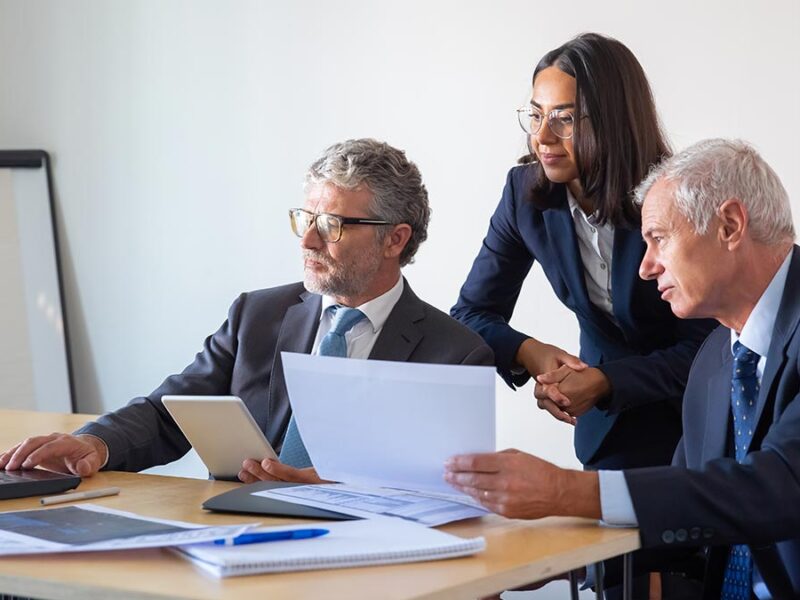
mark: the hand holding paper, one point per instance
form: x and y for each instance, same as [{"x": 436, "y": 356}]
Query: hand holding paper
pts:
[{"x": 389, "y": 424}]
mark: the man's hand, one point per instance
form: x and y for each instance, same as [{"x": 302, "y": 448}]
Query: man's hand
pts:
[
  {"x": 81, "y": 455},
  {"x": 270, "y": 469},
  {"x": 521, "y": 486},
  {"x": 539, "y": 358},
  {"x": 572, "y": 392}
]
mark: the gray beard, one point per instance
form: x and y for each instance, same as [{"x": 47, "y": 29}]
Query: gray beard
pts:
[{"x": 338, "y": 283}]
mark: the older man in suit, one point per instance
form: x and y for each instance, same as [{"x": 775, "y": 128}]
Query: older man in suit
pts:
[
  {"x": 719, "y": 234},
  {"x": 366, "y": 213}
]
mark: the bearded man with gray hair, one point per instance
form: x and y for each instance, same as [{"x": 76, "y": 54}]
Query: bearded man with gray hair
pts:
[
  {"x": 365, "y": 214},
  {"x": 720, "y": 242}
]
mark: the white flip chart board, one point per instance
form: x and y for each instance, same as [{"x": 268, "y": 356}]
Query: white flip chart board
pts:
[{"x": 35, "y": 371}]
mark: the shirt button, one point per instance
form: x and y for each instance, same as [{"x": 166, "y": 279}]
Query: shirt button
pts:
[
  {"x": 603, "y": 266},
  {"x": 592, "y": 229}
]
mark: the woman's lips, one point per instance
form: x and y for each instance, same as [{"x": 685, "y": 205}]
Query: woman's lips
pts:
[{"x": 551, "y": 159}]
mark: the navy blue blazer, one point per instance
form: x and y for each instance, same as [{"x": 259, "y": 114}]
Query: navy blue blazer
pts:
[
  {"x": 646, "y": 357},
  {"x": 714, "y": 501}
]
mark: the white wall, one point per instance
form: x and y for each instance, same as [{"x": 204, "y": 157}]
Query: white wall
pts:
[{"x": 180, "y": 132}]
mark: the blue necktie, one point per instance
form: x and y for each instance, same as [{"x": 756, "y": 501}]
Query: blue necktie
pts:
[
  {"x": 738, "y": 582},
  {"x": 334, "y": 343}
]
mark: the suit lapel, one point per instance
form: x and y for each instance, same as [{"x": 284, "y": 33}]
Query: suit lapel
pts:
[
  {"x": 400, "y": 334},
  {"x": 562, "y": 233},
  {"x": 719, "y": 406},
  {"x": 296, "y": 335},
  {"x": 785, "y": 326},
  {"x": 626, "y": 257},
  {"x": 300, "y": 324}
]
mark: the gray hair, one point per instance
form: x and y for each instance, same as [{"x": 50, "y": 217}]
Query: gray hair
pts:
[
  {"x": 398, "y": 194},
  {"x": 712, "y": 171}
]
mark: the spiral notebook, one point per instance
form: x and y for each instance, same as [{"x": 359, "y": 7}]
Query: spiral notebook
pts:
[{"x": 349, "y": 544}]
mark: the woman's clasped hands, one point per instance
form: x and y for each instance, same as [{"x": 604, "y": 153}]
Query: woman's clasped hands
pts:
[{"x": 566, "y": 387}]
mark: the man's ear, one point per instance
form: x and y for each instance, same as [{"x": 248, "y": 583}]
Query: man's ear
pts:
[
  {"x": 396, "y": 240},
  {"x": 734, "y": 222}
]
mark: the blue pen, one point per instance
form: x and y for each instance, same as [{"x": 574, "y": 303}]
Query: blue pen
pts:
[{"x": 271, "y": 536}]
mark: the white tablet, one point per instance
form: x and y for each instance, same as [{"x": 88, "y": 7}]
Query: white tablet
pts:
[{"x": 221, "y": 430}]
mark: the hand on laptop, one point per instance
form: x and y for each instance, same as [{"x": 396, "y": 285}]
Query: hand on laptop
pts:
[
  {"x": 82, "y": 455},
  {"x": 273, "y": 470}
]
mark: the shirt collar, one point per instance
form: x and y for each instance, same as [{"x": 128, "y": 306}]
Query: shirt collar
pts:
[
  {"x": 757, "y": 331},
  {"x": 573, "y": 204},
  {"x": 376, "y": 310},
  {"x": 576, "y": 210}
]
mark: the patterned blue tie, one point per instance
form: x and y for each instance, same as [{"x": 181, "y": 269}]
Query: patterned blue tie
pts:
[
  {"x": 738, "y": 583},
  {"x": 334, "y": 343}
]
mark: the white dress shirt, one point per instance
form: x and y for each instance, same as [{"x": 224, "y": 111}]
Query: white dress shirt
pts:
[
  {"x": 596, "y": 245},
  {"x": 362, "y": 337}
]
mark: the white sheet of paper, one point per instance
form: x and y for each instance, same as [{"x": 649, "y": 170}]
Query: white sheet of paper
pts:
[
  {"x": 389, "y": 424},
  {"x": 424, "y": 508},
  {"x": 12, "y": 543}
]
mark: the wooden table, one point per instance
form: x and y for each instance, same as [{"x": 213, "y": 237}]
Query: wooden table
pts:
[{"x": 517, "y": 553}]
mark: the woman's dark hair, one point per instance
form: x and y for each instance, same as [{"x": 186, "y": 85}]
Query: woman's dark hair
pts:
[{"x": 622, "y": 136}]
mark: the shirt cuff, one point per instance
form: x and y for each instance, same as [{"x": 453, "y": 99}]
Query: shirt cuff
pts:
[
  {"x": 615, "y": 500},
  {"x": 97, "y": 437}
]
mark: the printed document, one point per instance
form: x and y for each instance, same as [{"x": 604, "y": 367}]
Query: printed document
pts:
[
  {"x": 90, "y": 527},
  {"x": 425, "y": 508}
]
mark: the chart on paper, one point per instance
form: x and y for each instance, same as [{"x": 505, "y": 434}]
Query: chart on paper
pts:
[{"x": 423, "y": 508}]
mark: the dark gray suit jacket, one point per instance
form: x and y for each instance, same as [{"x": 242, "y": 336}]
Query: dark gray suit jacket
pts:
[
  {"x": 710, "y": 499},
  {"x": 243, "y": 359}
]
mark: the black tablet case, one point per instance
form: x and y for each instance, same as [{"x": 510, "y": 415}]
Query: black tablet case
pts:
[{"x": 241, "y": 500}]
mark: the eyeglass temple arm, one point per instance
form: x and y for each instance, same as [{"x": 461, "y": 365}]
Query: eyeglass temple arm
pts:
[{"x": 357, "y": 221}]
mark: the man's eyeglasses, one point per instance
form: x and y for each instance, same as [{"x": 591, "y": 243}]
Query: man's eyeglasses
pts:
[
  {"x": 560, "y": 121},
  {"x": 329, "y": 227}
]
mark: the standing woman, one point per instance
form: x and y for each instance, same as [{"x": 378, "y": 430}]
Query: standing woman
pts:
[{"x": 593, "y": 133}]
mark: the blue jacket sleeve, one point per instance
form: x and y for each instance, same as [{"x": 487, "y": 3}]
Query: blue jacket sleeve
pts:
[
  {"x": 723, "y": 501},
  {"x": 753, "y": 502},
  {"x": 489, "y": 294},
  {"x": 637, "y": 380}
]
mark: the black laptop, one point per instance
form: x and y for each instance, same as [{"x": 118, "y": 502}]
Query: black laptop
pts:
[{"x": 34, "y": 482}]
